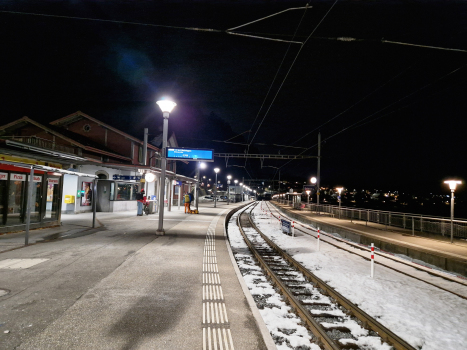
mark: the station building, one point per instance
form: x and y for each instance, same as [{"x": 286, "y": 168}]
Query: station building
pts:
[{"x": 81, "y": 145}]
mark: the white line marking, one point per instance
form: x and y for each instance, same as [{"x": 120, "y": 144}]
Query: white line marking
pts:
[
  {"x": 214, "y": 336},
  {"x": 209, "y": 338},
  {"x": 230, "y": 338},
  {"x": 225, "y": 313},
  {"x": 225, "y": 340},
  {"x": 204, "y": 338},
  {"x": 220, "y": 338}
]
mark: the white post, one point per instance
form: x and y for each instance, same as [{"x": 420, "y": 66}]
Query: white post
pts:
[
  {"x": 280, "y": 223},
  {"x": 179, "y": 194},
  {"x": 171, "y": 191},
  {"x": 318, "y": 239},
  {"x": 293, "y": 228},
  {"x": 372, "y": 260}
]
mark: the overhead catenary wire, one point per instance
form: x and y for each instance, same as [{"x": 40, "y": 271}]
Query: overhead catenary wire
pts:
[
  {"x": 229, "y": 31},
  {"x": 273, "y": 81},
  {"x": 352, "y": 106},
  {"x": 291, "y": 66},
  {"x": 356, "y": 124}
]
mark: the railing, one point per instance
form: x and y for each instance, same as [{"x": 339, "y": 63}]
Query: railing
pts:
[
  {"x": 413, "y": 222},
  {"x": 41, "y": 143}
]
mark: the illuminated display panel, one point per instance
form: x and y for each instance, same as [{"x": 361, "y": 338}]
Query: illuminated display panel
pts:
[{"x": 190, "y": 154}]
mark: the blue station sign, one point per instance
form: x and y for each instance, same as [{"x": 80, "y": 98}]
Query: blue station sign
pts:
[
  {"x": 126, "y": 177},
  {"x": 190, "y": 154},
  {"x": 286, "y": 226}
]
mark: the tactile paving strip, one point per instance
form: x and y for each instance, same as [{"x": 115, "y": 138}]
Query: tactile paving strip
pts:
[{"x": 216, "y": 327}]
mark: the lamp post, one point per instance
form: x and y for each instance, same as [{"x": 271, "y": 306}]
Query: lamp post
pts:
[
  {"x": 235, "y": 181},
  {"x": 308, "y": 193},
  {"x": 229, "y": 177},
  {"x": 201, "y": 165},
  {"x": 339, "y": 189},
  {"x": 452, "y": 185},
  {"x": 313, "y": 181},
  {"x": 241, "y": 188},
  {"x": 216, "y": 170},
  {"x": 166, "y": 107}
]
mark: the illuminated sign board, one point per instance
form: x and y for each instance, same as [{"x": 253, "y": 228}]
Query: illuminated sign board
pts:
[{"x": 190, "y": 154}]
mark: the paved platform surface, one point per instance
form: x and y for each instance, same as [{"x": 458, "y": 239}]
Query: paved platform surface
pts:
[
  {"x": 435, "y": 243},
  {"x": 119, "y": 286}
]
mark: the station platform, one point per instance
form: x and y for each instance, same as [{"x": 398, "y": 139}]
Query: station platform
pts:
[
  {"x": 435, "y": 250},
  {"x": 119, "y": 286}
]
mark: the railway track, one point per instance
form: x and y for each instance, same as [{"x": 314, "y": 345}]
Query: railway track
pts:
[
  {"x": 335, "y": 322},
  {"x": 312, "y": 232}
]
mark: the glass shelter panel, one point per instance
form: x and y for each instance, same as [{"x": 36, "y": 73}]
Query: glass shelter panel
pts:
[
  {"x": 3, "y": 196},
  {"x": 36, "y": 198},
  {"x": 16, "y": 192},
  {"x": 53, "y": 204}
]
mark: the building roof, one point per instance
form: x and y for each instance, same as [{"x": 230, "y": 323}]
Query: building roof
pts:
[
  {"x": 73, "y": 138},
  {"x": 71, "y": 118}
]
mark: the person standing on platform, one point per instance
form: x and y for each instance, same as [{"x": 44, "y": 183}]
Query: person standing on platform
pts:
[
  {"x": 187, "y": 202},
  {"x": 140, "y": 201}
]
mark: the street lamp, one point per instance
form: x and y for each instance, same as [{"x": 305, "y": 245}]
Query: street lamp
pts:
[
  {"x": 235, "y": 181},
  {"x": 308, "y": 193},
  {"x": 229, "y": 177},
  {"x": 452, "y": 185},
  {"x": 166, "y": 107},
  {"x": 339, "y": 189},
  {"x": 216, "y": 170},
  {"x": 201, "y": 165}
]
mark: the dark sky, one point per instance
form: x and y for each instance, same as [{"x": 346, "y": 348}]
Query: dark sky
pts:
[{"x": 391, "y": 116}]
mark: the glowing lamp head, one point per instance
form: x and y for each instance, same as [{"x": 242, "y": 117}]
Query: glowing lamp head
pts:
[
  {"x": 452, "y": 184},
  {"x": 202, "y": 165},
  {"x": 166, "y": 105},
  {"x": 216, "y": 170},
  {"x": 149, "y": 177},
  {"x": 235, "y": 181},
  {"x": 241, "y": 184},
  {"x": 339, "y": 189},
  {"x": 229, "y": 177},
  {"x": 313, "y": 180},
  {"x": 308, "y": 192}
]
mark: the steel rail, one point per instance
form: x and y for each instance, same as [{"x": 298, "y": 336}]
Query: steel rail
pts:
[
  {"x": 368, "y": 322},
  {"x": 322, "y": 337},
  {"x": 383, "y": 255}
]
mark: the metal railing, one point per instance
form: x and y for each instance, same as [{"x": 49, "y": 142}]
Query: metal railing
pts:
[
  {"x": 407, "y": 221},
  {"x": 41, "y": 143}
]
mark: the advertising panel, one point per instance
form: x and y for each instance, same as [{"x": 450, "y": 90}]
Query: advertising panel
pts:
[{"x": 86, "y": 194}]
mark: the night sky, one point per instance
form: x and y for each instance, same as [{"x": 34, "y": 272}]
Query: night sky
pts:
[{"x": 391, "y": 116}]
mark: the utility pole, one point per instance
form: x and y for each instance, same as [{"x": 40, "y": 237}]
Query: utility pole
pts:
[{"x": 319, "y": 171}]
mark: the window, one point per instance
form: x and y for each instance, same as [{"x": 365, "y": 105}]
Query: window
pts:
[
  {"x": 140, "y": 155},
  {"x": 126, "y": 191}
]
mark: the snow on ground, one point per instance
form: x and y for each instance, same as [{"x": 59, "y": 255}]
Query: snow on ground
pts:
[{"x": 424, "y": 315}]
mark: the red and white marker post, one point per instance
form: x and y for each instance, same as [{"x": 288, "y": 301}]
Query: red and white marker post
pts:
[
  {"x": 293, "y": 228},
  {"x": 372, "y": 260},
  {"x": 318, "y": 239}
]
